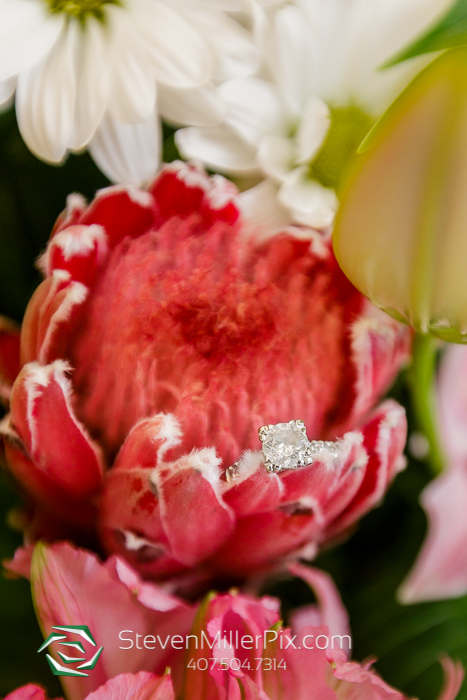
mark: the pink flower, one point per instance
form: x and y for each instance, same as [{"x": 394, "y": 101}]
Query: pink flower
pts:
[
  {"x": 164, "y": 335},
  {"x": 441, "y": 568},
  {"x": 141, "y": 686},
  {"x": 71, "y": 587}
]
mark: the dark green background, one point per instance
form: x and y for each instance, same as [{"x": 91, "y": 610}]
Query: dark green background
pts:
[{"x": 367, "y": 568}]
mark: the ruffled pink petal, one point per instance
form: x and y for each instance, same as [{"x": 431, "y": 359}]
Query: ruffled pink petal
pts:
[
  {"x": 441, "y": 567},
  {"x": 130, "y": 512},
  {"x": 380, "y": 346},
  {"x": 9, "y": 356},
  {"x": 194, "y": 517},
  {"x": 253, "y": 489},
  {"x": 142, "y": 686},
  {"x": 384, "y": 437},
  {"x": 121, "y": 210},
  {"x": 182, "y": 189},
  {"x": 51, "y": 314},
  {"x": 71, "y": 586},
  {"x": 58, "y": 445},
  {"x": 71, "y": 215},
  {"x": 55, "y": 512},
  {"x": 261, "y": 540},
  {"x": 80, "y": 250},
  {"x": 148, "y": 441},
  {"x": 28, "y": 692}
]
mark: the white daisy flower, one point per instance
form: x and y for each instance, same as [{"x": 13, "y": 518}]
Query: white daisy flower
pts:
[
  {"x": 318, "y": 93},
  {"x": 91, "y": 68}
]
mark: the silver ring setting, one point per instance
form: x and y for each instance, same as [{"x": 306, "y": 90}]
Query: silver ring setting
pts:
[{"x": 286, "y": 446}]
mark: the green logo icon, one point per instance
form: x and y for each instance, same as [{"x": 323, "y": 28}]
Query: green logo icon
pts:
[{"x": 72, "y": 647}]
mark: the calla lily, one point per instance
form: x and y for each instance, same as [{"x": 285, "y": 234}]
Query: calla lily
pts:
[{"x": 400, "y": 234}]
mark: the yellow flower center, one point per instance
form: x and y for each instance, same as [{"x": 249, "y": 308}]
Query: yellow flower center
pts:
[
  {"x": 349, "y": 126},
  {"x": 81, "y": 9}
]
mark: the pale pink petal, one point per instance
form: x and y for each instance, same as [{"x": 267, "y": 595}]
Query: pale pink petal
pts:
[
  {"x": 142, "y": 686},
  {"x": 28, "y": 692},
  {"x": 20, "y": 565},
  {"x": 71, "y": 586},
  {"x": 441, "y": 568},
  {"x": 453, "y": 678},
  {"x": 452, "y": 402},
  {"x": 330, "y": 609}
]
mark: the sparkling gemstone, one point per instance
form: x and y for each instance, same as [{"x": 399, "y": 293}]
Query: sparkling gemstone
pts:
[{"x": 285, "y": 446}]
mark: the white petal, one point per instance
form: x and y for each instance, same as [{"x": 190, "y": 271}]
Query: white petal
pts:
[
  {"x": 276, "y": 156},
  {"x": 196, "y": 106},
  {"x": 235, "y": 54},
  {"x": 92, "y": 83},
  {"x": 127, "y": 153},
  {"x": 133, "y": 85},
  {"x": 218, "y": 147},
  {"x": 45, "y": 99},
  {"x": 310, "y": 203},
  {"x": 7, "y": 88},
  {"x": 262, "y": 210},
  {"x": 24, "y": 43},
  {"x": 313, "y": 129},
  {"x": 179, "y": 54},
  {"x": 254, "y": 108}
]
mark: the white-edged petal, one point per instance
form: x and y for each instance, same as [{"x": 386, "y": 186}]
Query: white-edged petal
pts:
[
  {"x": 254, "y": 108},
  {"x": 128, "y": 153},
  {"x": 276, "y": 155},
  {"x": 179, "y": 54},
  {"x": 310, "y": 203},
  {"x": 312, "y": 129},
  {"x": 133, "y": 85},
  {"x": 218, "y": 147},
  {"x": 264, "y": 215},
  {"x": 194, "y": 107},
  {"x": 45, "y": 99},
  {"x": 92, "y": 82},
  {"x": 27, "y": 34}
]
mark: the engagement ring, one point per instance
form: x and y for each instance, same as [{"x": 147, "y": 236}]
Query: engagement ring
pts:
[{"x": 286, "y": 446}]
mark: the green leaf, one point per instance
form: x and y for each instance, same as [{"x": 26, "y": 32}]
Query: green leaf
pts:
[{"x": 450, "y": 31}]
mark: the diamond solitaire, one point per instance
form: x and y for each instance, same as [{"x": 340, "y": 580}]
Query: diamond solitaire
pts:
[{"x": 286, "y": 446}]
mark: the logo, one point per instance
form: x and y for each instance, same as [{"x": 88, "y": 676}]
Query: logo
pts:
[{"x": 72, "y": 647}]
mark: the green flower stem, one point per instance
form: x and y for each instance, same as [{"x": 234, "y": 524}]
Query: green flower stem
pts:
[{"x": 423, "y": 395}]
